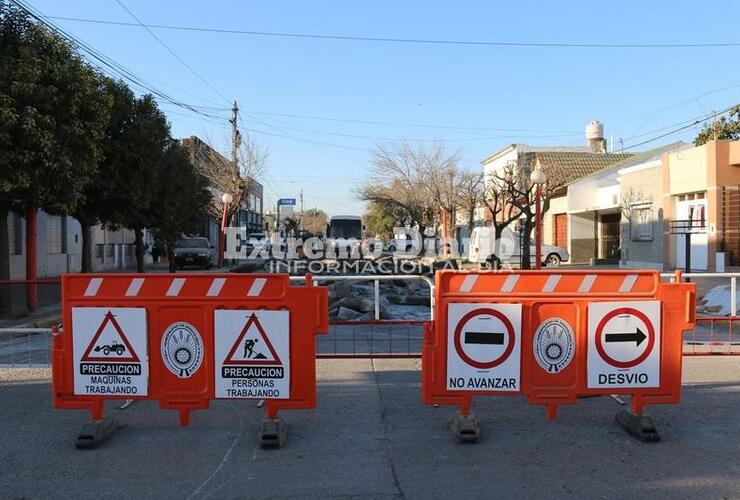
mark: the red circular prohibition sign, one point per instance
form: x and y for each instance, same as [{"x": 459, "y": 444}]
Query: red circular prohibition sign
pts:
[
  {"x": 458, "y": 334},
  {"x": 650, "y": 334}
]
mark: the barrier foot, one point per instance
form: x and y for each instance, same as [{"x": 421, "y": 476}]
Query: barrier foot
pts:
[
  {"x": 93, "y": 434},
  {"x": 638, "y": 426},
  {"x": 273, "y": 433},
  {"x": 465, "y": 428}
]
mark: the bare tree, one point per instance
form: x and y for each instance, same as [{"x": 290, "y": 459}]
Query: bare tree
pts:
[
  {"x": 518, "y": 197},
  {"x": 471, "y": 190},
  {"x": 413, "y": 182},
  {"x": 223, "y": 177}
]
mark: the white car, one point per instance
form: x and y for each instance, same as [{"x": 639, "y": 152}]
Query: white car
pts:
[{"x": 482, "y": 248}]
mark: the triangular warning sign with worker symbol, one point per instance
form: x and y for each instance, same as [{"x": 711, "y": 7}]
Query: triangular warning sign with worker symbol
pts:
[
  {"x": 252, "y": 346},
  {"x": 110, "y": 344}
]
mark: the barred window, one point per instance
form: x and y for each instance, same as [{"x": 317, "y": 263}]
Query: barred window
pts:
[
  {"x": 56, "y": 234},
  {"x": 641, "y": 223},
  {"x": 15, "y": 234}
]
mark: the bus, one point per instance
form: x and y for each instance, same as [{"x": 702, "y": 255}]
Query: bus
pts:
[{"x": 344, "y": 236}]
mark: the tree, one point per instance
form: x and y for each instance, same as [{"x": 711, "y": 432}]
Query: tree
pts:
[
  {"x": 471, "y": 189},
  {"x": 518, "y": 198},
  {"x": 726, "y": 128},
  {"x": 379, "y": 220},
  {"x": 95, "y": 205},
  {"x": 182, "y": 199},
  {"x": 414, "y": 183},
  {"x": 52, "y": 117},
  {"x": 136, "y": 151},
  {"x": 225, "y": 177},
  {"x": 314, "y": 220}
]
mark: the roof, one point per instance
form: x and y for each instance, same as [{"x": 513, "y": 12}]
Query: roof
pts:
[
  {"x": 575, "y": 165},
  {"x": 527, "y": 148}
]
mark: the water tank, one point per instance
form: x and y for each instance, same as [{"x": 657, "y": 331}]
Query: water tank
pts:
[{"x": 594, "y": 130}]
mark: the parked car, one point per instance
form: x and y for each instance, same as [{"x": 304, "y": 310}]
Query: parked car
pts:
[
  {"x": 194, "y": 252},
  {"x": 482, "y": 248}
]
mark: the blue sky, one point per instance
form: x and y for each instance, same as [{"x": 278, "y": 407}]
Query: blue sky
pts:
[{"x": 499, "y": 95}]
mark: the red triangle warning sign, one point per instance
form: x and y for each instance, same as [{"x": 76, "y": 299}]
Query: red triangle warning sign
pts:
[
  {"x": 110, "y": 344},
  {"x": 252, "y": 347}
]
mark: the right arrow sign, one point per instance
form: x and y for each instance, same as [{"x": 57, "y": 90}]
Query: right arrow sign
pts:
[
  {"x": 624, "y": 344},
  {"x": 637, "y": 337}
]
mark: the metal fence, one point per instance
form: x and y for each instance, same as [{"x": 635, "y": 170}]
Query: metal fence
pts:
[
  {"x": 396, "y": 338},
  {"x": 714, "y": 334}
]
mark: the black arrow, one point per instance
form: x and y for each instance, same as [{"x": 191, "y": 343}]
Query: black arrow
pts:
[
  {"x": 636, "y": 337},
  {"x": 484, "y": 338}
]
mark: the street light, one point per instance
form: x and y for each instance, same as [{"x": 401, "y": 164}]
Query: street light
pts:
[
  {"x": 538, "y": 178},
  {"x": 226, "y": 198}
]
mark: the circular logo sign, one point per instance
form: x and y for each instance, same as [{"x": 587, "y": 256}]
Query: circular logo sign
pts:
[
  {"x": 625, "y": 337},
  {"x": 484, "y": 338},
  {"x": 554, "y": 344},
  {"x": 182, "y": 349}
]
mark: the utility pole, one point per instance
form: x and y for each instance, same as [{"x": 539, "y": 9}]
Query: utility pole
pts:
[
  {"x": 235, "y": 140},
  {"x": 301, "y": 209}
]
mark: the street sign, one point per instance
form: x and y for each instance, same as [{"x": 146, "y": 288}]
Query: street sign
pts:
[
  {"x": 483, "y": 347},
  {"x": 252, "y": 350},
  {"x": 110, "y": 351},
  {"x": 624, "y": 344},
  {"x": 286, "y": 201}
]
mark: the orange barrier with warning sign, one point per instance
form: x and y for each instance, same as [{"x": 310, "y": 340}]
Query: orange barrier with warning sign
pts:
[
  {"x": 185, "y": 339},
  {"x": 556, "y": 336}
]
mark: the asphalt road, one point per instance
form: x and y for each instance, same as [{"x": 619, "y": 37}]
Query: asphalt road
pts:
[{"x": 371, "y": 437}]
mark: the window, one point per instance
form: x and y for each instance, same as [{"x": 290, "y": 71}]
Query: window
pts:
[
  {"x": 15, "y": 234},
  {"x": 56, "y": 234},
  {"x": 641, "y": 223},
  {"x": 258, "y": 206},
  {"x": 109, "y": 250}
]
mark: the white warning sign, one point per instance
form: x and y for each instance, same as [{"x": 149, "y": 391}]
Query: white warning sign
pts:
[
  {"x": 484, "y": 347},
  {"x": 624, "y": 344},
  {"x": 110, "y": 351},
  {"x": 252, "y": 349}
]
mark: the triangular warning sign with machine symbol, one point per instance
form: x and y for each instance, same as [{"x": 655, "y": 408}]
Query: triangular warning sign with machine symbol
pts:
[
  {"x": 252, "y": 346},
  {"x": 109, "y": 344}
]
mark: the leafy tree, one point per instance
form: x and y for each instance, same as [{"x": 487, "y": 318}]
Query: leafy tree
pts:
[
  {"x": 95, "y": 205},
  {"x": 52, "y": 117},
  {"x": 380, "y": 220},
  {"x": 182, "y": 198},
  {"x": 135, "y": 151},
  {"x": 726, "y": 128}
]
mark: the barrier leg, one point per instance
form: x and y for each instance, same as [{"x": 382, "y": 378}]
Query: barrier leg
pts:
[
  {"x": 636, "y": 424},
  {"x": 273, "y": 430},
  {"x": 94, "y": 433},
  {"x": 464, "y": 425}
]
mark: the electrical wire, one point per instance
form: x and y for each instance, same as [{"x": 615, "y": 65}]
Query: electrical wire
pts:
[{"x": 422, "y": 41}]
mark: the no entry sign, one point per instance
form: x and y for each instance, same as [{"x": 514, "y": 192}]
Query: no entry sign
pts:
[
  {"x": 624, "y": 344},
  {"x": 484, "y": 347}
]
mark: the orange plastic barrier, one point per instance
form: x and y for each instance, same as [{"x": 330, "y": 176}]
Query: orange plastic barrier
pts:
[
  {"x": 185, "y": 339},
  {"x": 555, "y": 336}
]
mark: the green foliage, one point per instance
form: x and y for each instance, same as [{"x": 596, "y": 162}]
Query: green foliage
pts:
[
  {"x": 380, "y": 219},
  {"x": 723, "y": 129},
  {"x": 52, "y": 117},
  {"x": 182, "y": 196}
]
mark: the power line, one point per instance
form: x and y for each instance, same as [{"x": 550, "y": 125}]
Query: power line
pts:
[
  {"x": 106, "y": 64},
  {"x": 413, "y": 125},
  {"x": 169, "y": 49},
  {"x": 692, "y": 123},
  {"x": 421, "y": 41}
]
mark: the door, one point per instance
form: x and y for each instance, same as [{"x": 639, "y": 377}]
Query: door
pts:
[
  {"x": 694, "y": 210},
  {"x": 560, "y": 230},
  {"x": 609, "y": 236}
]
